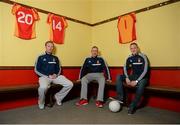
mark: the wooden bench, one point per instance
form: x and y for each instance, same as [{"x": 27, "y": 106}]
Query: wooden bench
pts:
[
  {"x": 30, "y": 87},
  {"x": 30, "y": 90},
  {"x": 26, "y": 91},
  {"x": 19, "y": 88},
  {"x": 156, "y": 90}
]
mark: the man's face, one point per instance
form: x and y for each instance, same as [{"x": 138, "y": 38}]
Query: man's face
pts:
[
  {"x": 94, "y": 52},
  {"x": 49, "y": 48},
  {"x": 134, "y": 49}
]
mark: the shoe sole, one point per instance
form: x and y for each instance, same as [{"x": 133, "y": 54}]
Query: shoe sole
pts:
[
  {"x": 99, "y": 106},
  {"x": 57, "y": 101},
  {"x": 59, "y": 104},
  {"x": 81, "y": 104},
  {"x": 111, "y": 98},
  {"x": 41, "y": 108}
]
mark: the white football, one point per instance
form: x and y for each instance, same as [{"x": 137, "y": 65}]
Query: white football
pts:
[{"x": 114, "y": 106}]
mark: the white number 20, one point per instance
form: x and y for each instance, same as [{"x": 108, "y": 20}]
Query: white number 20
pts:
[
  {"x": 25, "y": 18},
  {"x": 57, "y": 26}
]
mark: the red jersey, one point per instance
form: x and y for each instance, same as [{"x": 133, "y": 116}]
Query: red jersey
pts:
[
  {"x": 25, "y": 21},
  {"x": 126, "y": 28},
  {"x": 57, "y": 28}
]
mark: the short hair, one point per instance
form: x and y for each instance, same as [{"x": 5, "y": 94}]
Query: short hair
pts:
[
  {"x": 49, "y": 42},
  {"x": 94, "y": 47},
  {"x": 134, "y": 44}
]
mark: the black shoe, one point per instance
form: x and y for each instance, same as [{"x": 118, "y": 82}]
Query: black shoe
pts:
[
  {"x": 131, "y": 111},
  {"x": 50, "y": 105},
  {"x": 117, "y": 99}
]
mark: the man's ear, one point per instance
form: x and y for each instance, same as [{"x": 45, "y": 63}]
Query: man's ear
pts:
[
  {"x": 99, "y": 53},
  {"x": 139, "y": 50},
  {"x": 54, "y": 50}
]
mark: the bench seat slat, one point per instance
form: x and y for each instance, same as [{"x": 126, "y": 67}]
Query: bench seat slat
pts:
[{"x": 35, "y": 86}]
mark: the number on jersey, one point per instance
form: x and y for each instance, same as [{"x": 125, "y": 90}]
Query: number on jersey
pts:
[
  {"x": 57, "y": 26},
  {"x": 24, "y": 18}
]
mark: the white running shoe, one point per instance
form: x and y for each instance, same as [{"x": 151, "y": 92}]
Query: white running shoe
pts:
[
  {"x": 58, "y": 101},
  {"x": 114, "y": 98},
  {"x": 41, "y": 106}
]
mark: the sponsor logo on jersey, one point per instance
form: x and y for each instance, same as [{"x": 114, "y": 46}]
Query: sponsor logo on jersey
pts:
[{"x": 44, "y": 59}]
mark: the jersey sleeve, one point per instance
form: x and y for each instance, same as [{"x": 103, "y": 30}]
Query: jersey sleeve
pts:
[
  {"x": 15, "y": 7},
  {"x": 127, "y": 67},
  {"x": 57, "y": 67},
  {"x": 35, "y": 14},
  {"x": 65, "y": 22},
  {"x": 118, "y": 21},
  {"x": 37, "y": 68},
  {"x": 106, "y": 69},
  {"x": 145, "y": 67},
  {"x": 83, "y": 69},
  {"x": 49, "y": 18},
  {"x": 133, "y": 16}
]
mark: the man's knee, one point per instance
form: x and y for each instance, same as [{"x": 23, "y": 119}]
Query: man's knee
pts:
[
  {"x": 119, "y": 79},
  {"x": 84, "y": 80},
  {"x": 43, "y": 82},
  {"x": 143, "y": 83},
  {"x": 43, "y": 88},
  {"x": 101, "y": 81},
  {"x": 70, "y": 84}
]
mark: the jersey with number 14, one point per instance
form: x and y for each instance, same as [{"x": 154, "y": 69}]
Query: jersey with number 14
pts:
[
  {"x": 25, "y": 21},
  {"x": 57, "y": 28}
]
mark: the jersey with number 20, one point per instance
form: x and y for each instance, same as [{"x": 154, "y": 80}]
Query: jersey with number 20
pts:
[{"x": 25, "y": 21}]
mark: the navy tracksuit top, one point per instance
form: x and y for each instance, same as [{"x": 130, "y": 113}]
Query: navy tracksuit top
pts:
[
  {"x": 47, "y": 64},
  {"x": 139, "y": 65},
  {"x": 94, "y": 65}
]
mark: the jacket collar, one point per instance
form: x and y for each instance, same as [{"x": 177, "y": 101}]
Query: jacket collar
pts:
[
  {"x": 48, "y": 53},
  {"x": 94, "y": 57}
]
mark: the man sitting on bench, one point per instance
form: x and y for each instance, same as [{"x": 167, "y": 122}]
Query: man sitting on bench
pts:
[
  {"x": 138, "y": 63},
  {"x": 47, "y": 67},
  {"x": 93, "y": 70}
]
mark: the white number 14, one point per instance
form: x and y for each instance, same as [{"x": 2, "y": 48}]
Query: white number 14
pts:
[{"x": 57, "y": 26}]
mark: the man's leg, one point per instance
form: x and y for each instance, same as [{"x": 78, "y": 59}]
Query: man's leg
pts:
[
  {"x": 43, "y": 86},
  {"x": 67, "y": 86},
  {"x": 120, "y": 88},
  {"x": 84, "y": 86},
  {"x": 101, "y": 81},
  {"x": 139, "y": 92}
]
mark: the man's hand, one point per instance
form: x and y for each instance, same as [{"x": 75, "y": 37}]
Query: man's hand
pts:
[
  {"x": 50, "y": 76},
  {"x": 108, "y": 80},
  {"x": 133, "y": 83},
  {"x": 79, "y": 80},
  {"x": 53, "y": 76},
  {"x": 127, "y": 81}
]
